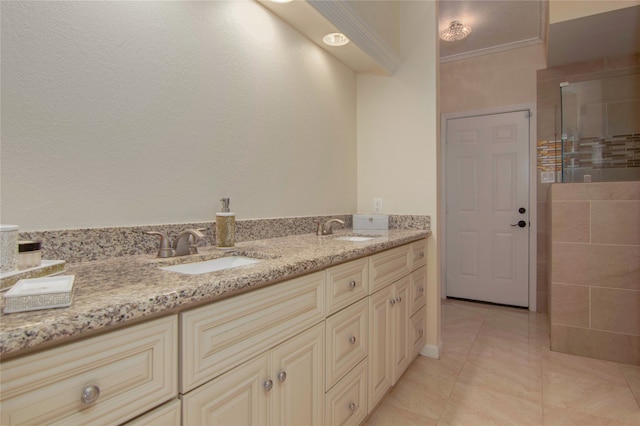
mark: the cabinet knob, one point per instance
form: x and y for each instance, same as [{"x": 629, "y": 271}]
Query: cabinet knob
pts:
[
  {"x": 421, "y": 332},
  {"x": 268, "y": 385},
  {"x": 352, "y": 340},
  {"x": 352, "y": 284},
  {"x": 398, "y": 299},
  {"x": 282, "y": 376},
  {"x": 421, "y": 289},
  {"x": 392, "y": 301},
  {"x": 352, "y": 406},
  {"x": 90, "y": 394},
  {"x": 421, "y": 254}
]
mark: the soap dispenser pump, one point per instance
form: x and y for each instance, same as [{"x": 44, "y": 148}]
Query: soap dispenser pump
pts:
[{"x": 225, "y": 226}]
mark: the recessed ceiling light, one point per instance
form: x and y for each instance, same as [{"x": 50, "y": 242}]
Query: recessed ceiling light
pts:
[
  {"x": 281, "y": 1},
  {"x": 335, "y": 39}
]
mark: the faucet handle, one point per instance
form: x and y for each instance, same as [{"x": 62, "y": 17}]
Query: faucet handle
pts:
[{"x": 165, "y": 247}]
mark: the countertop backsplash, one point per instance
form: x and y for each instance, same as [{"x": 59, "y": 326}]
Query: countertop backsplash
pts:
[{"x": 82, "y": 245}]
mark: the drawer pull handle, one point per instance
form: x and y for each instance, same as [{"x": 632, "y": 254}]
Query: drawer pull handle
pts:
[
  {"x": 268, "y": 385},
  {"x": 392, "y": 301},
  {"x": 282, "y": 376},
  {"x": 352, "y": 406},
  {"x": 352, "y": 284},
  {"x": 398, "y": 299},
  {"x": 352, "y": 340},
  {"x": 90, "y": 394}
]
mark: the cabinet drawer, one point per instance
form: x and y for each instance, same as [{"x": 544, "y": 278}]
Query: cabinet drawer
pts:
[
  {"x": 165, "y": 415},
  {"x": 418, "y": 335},
  {"x": 346, "y": 283},
  {"x": 346, "y": 341},
  {"x": 224, "y": 334},
  {"x": 389, "y": 266},
  {"x": 417, "y": 290},
  {"x": 134, "y": 369},
  {"x": 346, "y": 403},
  {"x": 418, "y": 254}
]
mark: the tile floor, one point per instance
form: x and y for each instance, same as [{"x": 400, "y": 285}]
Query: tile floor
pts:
[{"x": 496, "y": 369}]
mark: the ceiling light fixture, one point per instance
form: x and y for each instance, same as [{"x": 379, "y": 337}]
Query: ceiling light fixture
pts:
[
  {"x": 456, "y": 31},
  {"x": 335, "y": 39},
  {"x": 281, "y": 1}
]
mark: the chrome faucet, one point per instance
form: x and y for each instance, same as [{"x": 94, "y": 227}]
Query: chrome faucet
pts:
[
  {"x": 184, "y": 244},
  {"x": 327, "y": 227}
]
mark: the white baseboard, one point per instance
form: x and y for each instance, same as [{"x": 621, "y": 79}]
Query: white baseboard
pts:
[{"x": 432, "y": 351}]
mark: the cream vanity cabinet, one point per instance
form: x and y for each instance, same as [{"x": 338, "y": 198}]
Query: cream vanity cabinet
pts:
[
  {"x": 106, "y": 379},
  {"x": 347, "y": 343},
  {"x": 397, "y": 285},
  {"x": 256, "y": 358}
]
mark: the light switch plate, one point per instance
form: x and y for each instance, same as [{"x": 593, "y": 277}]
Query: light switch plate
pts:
[{"x": 547, "y": 177}]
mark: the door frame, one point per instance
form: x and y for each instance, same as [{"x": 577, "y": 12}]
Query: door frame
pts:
[{"x": 533, "y": 195}]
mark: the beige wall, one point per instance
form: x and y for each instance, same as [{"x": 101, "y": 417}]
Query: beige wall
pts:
[
  {"x": 595, "y": 270},
  {"x": 398, "y": 138},
  {"x": 488, "y": 81},
  {"x": 565, "y": 10},
  {"x": 132, "y": 113}
]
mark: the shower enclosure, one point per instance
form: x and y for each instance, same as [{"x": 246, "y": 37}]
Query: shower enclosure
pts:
[{"x": 601, "y": 129}]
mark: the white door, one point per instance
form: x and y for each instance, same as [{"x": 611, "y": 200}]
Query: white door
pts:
[{"x": 487, "y": 186}]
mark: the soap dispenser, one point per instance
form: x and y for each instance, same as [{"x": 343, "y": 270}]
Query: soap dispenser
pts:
[{"x": 225, "y": 226}]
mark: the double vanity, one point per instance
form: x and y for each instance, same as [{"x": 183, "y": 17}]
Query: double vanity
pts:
[{"x": 305, "y": 330}]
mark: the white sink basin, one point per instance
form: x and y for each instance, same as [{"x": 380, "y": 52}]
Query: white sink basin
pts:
[
  {"x": 197, "y": 268},
  {"x": 354, "y": 239}
]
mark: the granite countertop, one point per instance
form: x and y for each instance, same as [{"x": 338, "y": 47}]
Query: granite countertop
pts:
[{"x": 116, "y": 291}]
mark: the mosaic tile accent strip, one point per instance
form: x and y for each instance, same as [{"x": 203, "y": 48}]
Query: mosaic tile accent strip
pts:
[
  {"x": 82, "y": 245},
  {"x": 549, "y": 155},
  {"x": 603, "y": 152}
]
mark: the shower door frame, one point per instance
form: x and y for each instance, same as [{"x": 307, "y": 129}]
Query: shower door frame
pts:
[{"x": 533, "y": 193}]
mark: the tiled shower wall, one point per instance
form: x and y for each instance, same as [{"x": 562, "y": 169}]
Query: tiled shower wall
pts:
[
  {"x": 549, "y": 137},
  {"x": 595, "y": 270}
]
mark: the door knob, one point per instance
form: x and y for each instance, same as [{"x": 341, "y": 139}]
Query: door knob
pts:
[{"x": 520, "y": 223}]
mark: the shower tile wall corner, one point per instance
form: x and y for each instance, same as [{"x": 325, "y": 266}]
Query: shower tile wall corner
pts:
[{"x": 595, "y": 270}]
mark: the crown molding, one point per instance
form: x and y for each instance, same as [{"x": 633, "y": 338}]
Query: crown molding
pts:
[
  {"x": 351, "y": 24},
  {"x": 490, "y": 50}
]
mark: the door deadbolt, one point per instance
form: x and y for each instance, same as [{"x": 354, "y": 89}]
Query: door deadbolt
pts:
[{"x": 522, "y": 210}]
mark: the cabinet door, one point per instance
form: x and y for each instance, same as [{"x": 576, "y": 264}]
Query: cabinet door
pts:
[
  {"x": 417, "y": 289},
  {"x": 238, "y": 397},
  {"x": 110, "y": 378},
  {"x": 298, "y": 379},
  {"x": 418, "y": 254},
  {"x": 380, "y": 345},
  {"x": 166, "y": 415},
  {"x": 388, "y": 266},
  {"x": 346, "y": 341},
  {"x": 419, "y": 337},
  {"x": 401, "y": 337},
  {"x": 347, "y": 401},
  {"x": 346, "y": 283}
]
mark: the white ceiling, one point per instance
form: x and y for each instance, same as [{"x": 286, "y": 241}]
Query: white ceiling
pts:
[{"x": 495, "y": 26}]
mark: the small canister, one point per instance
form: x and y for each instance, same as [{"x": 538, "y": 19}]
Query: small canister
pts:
[
  {"x": 8, "y": 248},
  {"x": 29, "y": 254}
]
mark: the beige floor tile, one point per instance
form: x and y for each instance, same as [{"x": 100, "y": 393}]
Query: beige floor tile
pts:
[
  {"x": 590, "y": 396},
  {"x": 522, "y": 380},
  {"x": 424, "y": 397},
  {"x": 496, "y": 368},
  {"x": 632, "y": 374},
  {"x": 553, "y": 416},
  {"x": 447, "y": 367},
  {"x": 578, "y": 366},
  {"x": 471, "y": 405},
  {"x": 388, "y": 415}
]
